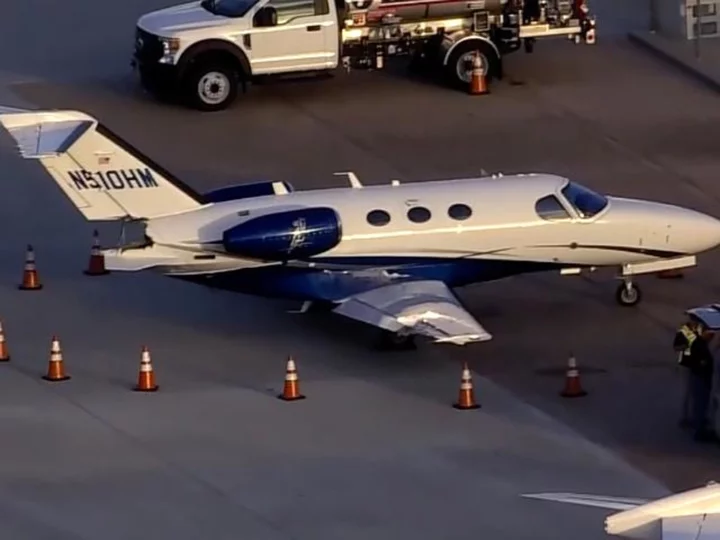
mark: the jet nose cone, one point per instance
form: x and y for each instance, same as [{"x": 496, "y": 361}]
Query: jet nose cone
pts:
[{"x": 703, "y": 231}]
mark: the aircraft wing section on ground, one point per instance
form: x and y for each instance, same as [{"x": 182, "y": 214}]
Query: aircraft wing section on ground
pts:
[
  {"x": 689, "y": 515},
  {"x": 427, "y": 308}
]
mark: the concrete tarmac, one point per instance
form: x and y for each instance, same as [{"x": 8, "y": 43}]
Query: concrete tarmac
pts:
[{"x": 375, "y": 450}]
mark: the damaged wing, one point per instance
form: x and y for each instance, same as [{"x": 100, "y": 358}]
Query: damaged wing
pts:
[{"x": 427, "y": 308}]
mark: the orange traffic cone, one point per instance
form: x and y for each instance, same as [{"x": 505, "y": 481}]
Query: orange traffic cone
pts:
[
  {"x": 291, "y": 389},
  {"x": 466, "y": 399},
  {"x": 56, "y": 369},
  {"x": 478, "y": 85},
  {"x": 96, "y": 266},
  {"x": 573, "y": 388},
  {"x": 31, "y": 280},
  {"x": 4, "y": 353},
  {"x": 673, "y": 273},
  {"x": 146, "y": 377}
]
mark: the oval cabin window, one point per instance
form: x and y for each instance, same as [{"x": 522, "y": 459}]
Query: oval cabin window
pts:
[
  {"x": 378, "y": 218},
  {"x": 418, "y": 214},
  {"x": 459, "y": 212}
]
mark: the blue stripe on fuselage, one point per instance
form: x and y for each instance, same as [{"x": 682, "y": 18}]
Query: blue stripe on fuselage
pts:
[{"x": 361, "y": 274}]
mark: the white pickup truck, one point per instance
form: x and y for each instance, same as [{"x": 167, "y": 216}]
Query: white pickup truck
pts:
[{"x": 205, "y": 52}]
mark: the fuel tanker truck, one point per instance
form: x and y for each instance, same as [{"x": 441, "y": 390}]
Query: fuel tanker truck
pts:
[{"x": 205, "y": 52}]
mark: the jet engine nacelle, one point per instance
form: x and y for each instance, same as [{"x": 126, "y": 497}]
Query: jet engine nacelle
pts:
[{"x": 282, "y": 236}]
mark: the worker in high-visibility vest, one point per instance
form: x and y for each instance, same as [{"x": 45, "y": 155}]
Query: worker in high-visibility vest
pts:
[
  {"x": 682, "y": 344},
  {"x": 698, "y": 359},
  {"x": 684, "y": 338}
]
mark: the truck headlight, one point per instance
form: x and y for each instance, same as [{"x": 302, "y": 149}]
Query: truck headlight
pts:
[{"x": 170, "y": 45}]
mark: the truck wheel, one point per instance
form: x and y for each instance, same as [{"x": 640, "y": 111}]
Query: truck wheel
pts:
[
  {"x": 211, "y": 86},
  {"x": 459, "y": 66}
]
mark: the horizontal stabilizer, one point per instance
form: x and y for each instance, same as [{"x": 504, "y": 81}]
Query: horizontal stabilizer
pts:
[
  {"x": 599, "y": 501},
  {"x": 171, "y": 260},
  {"x": 4, "y": 109},
  {"x": 119, "y": 261}
]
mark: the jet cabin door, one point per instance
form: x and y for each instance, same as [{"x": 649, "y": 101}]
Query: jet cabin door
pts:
[{"x": 293, "y": 35}]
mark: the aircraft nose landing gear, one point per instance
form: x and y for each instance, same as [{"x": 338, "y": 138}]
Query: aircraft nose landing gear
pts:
[{"x": 628, "y": 294}]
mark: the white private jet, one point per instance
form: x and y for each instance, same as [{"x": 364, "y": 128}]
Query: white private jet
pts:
[
  {"x": 689, "y": 515},
  {"x": 384, "y": 255}
]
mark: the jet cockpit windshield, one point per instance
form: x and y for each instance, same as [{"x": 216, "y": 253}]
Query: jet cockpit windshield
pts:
[{"x": 585, "y": 201}]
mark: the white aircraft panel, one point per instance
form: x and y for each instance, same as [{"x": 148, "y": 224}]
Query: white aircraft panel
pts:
[{"x": 700, "y": 527}]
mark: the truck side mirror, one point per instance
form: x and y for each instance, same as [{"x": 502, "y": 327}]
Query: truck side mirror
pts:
[{"x": 265, "y": 16}]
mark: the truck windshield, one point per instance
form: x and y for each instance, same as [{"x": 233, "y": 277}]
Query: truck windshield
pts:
[
  {"x": 586, "y": 202},
  {"x": 228, "y": 8}
]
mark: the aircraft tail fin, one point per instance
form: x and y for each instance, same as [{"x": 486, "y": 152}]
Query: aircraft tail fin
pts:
[{"x": 104, "y": 176}]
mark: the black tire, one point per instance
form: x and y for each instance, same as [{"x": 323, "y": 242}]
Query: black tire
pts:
[
  {"x": 628, "y": 298},
  {"x": 459, "y": 66},
  {"x": 211, "y": 86},
  {"x": 392, "y": 341}
]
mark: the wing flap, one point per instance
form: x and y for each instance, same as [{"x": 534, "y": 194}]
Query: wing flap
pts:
[{"x": 426, "y": 308}]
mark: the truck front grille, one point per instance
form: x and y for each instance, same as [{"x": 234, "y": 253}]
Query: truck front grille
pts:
[{"x": 148, "y": 48}]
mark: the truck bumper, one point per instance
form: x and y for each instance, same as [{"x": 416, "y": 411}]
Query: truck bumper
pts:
[{"x": 156, "y": 78}]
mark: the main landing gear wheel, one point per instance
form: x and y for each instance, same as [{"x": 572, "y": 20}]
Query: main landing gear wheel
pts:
[
  {"x": 628, "y": 294},
  {"x": 396, "y": 341}
]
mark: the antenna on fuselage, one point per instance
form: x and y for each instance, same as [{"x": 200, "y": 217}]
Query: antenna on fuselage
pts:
[{"x": 354, "y": 181}]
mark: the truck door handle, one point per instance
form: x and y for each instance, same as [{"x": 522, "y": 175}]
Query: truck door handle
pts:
[{"x": 313, "y": 28}]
